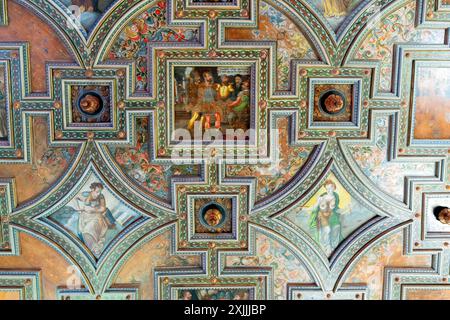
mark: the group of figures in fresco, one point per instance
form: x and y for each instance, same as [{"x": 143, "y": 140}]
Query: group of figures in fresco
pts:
[
  {"x": 216, "y": 97},
  {"x": 212, "y": 1},
  {"x": 214, "y": 294}
]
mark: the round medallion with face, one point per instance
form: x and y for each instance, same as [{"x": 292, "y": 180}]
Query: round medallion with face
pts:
[{"x": 212, "y": 216}]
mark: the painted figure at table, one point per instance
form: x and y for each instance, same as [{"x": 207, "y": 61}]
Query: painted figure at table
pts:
[
  {"x": 224, "y": 92},
  {"x": 237, "y": 87},
  {"x": 214, "y": 294},
  {"x": 95, "y": 218},
  {"x": 206, "y": 101},
  {"x": 212, "y": 97},
  {"x": 195, "y": 80},
  {"x": 324, "y": 222},
  {"x": 225, "y": 88},
  {"x": 240, "y": 107}
]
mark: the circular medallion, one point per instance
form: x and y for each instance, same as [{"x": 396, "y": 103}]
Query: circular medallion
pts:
[
  {"x": 90, "y": 103},
  {"x": 444, "y": 215},
  {"x": 212, "y": 215},
  {"x": 332, "y": 102}
]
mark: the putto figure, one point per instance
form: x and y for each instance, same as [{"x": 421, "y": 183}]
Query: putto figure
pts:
[{"x": 241, "y": 106}]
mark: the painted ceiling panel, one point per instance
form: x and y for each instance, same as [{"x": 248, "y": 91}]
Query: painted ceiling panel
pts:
[{"x": 224, "y": 149}]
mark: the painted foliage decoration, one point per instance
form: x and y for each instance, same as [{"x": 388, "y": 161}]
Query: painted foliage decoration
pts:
[{"x": 224, "y": 149}]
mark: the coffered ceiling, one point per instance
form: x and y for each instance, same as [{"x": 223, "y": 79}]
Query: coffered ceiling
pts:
[{"x": 224, "y": 149}]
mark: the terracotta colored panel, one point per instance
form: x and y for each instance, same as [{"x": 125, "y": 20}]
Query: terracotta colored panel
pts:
[
  {"x": 432, "y": 114},
  {"x": 9, "y": 295},
  {"x": 37, "y": 255},
  {"x": 44, "y": 43},
  {"x": 139, "y": 269},
  {"x": 427, "y": 294},
  {"x": 369, "y": 270},
  {"x": 46, "y": 166}
]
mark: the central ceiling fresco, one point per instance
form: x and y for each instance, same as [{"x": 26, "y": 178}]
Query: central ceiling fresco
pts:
[{"x": 224, "y": 149}]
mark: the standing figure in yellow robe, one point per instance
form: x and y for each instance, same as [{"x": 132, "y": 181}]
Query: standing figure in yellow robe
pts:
[
  {"x": 334, "y": 8},
  {"x": 224, "y": 91},
  {"x": 225, "y": 88},
  {"x": 206, "y": 100}
]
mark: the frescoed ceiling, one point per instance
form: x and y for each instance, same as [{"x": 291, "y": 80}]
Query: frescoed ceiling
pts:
[{"x": 224, "y": 149}]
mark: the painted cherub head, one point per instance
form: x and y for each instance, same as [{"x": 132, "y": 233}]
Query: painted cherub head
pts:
[
  {"x": 208, "y": 76},
  {"x": 213, "y": 217},
  {"x": 187, "y": 295},
  {"x": 330, "y": 186},
  {"x": 225, "y": 79},
  {"x": 246, "y": 85},
  {"x": 96, "y": 190}
]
